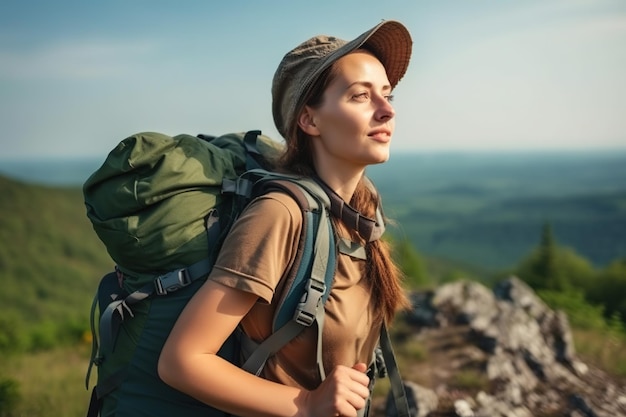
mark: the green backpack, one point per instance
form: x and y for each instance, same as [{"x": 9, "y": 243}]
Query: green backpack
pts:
[{"x": 162, "y": 206}]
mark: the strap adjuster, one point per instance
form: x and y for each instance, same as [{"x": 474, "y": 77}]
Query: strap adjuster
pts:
[
  {"x": 311, "y": 300},
  {"x": 172, "y": 281}
]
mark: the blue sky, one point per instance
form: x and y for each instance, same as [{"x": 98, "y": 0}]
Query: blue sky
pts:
[{"x": 76, "y": 77}]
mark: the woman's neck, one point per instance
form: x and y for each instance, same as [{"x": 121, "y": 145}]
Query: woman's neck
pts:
[{"x": 343, "y": 182}]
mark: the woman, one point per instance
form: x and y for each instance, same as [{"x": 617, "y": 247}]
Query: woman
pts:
[{"x": 332, "y": 105}]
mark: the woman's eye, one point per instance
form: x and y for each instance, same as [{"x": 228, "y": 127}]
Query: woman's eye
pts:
[
  {"x": 361, "y": 96},
  {"x": 390, "y": 97}
]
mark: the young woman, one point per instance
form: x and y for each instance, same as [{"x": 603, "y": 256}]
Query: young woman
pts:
[{"x": 332, "y": 104}]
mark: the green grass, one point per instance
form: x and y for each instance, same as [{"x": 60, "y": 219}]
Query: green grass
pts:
[
  {"x": 606, "y": 350},
  {"x": 49, "y": 383},
  {"x": 470, "y": 380}
]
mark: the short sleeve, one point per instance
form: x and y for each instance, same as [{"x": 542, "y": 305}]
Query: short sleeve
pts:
[{"x": 261, "y": 246}]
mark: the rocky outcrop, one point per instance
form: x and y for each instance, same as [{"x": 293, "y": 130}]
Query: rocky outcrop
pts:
[{"x": 500, "y": 353}]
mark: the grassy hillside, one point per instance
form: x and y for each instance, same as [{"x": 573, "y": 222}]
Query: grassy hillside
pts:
[{"x": 50, "y": 263}]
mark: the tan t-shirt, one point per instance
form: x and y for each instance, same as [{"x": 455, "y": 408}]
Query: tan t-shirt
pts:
[{"x": 258, "y": 252}]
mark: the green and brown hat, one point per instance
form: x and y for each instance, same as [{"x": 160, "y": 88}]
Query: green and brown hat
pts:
[{"x": 390, "y": 41}]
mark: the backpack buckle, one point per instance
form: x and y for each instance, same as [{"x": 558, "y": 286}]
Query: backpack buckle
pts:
[
  {"x": 172, "y": 281},
  {"x": 309, "y": 303}
]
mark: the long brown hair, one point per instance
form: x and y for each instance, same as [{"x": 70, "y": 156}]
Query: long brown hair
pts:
[{"x": 381, "y": 272}]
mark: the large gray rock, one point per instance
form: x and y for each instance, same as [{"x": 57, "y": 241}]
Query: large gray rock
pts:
[{"x": 529, "y": 355}]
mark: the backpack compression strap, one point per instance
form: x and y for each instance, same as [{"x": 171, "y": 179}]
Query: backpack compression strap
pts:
[{"x": 118, "y": 310}]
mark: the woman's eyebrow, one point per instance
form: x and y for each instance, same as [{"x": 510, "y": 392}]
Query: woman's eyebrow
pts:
[{"x": 369, "y": 84}]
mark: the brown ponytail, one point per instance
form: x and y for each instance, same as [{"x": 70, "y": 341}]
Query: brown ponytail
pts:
[{"x": 382, "y": 273}]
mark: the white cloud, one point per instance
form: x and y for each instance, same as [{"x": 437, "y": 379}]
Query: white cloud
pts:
[{"x": 76, "y": 59}]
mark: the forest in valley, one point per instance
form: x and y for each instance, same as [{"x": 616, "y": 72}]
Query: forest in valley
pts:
[{"x": 557, "y": 222}]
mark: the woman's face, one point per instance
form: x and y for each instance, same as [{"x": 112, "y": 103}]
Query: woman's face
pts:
[{"x": 355, "y": 121}]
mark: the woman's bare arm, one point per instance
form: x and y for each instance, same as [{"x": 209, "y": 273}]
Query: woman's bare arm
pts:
[{"x": 189, "y": 363}]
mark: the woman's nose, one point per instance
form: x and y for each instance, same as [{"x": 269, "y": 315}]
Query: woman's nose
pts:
[{"x": 384, "y": 109}]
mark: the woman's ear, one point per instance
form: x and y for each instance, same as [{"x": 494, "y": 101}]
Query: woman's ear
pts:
[{"x": 306, "y": 122}]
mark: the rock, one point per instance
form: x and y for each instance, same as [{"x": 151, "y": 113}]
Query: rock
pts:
[
  {"x": 421, "y": 401},
  {"x": 526, "y": 352},
  {"x": 462, "y": 408}
]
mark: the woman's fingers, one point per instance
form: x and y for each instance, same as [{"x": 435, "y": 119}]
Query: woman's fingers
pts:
[{"x": 342, "y": 393}]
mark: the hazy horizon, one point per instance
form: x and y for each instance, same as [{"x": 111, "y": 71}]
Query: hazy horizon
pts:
[
  {"x": 617, "y": 152},
  {"x": 73, "y": 170}
]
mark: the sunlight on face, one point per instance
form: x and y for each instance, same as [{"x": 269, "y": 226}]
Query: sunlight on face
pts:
[{"x": 355, "y": 121}]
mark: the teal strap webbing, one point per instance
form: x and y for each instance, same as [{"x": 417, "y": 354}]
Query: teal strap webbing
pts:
[
  {"x": 319, "y": 358},
  {"x": 307, "y": 311},
  {"x": 258, "y": 353},
  {"x": 316, "y": 271},
  {"x": 315, "y": 276},
  {"x": 397, "y": 386}
]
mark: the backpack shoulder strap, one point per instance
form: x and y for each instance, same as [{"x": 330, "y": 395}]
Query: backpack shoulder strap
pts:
[{"x": 309, "y": 283}]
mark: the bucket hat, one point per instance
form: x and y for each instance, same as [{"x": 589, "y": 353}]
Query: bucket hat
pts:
[{"x": 390, "y": 41}]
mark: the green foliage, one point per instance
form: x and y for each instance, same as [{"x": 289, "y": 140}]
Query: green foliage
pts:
[
  {"x": 9, "y": 397},
  {"x": 593, "y": 300},
  {"x": 545, "y": 266},
  {"x": 609, "y": 289},
  {"x": 411, "y": 264},
  {"x": 50, "y": 264},
  {"x": 580, "y": 313},
  {"x": 13, "y": 338},
  {"x": 554, "y": 268}
]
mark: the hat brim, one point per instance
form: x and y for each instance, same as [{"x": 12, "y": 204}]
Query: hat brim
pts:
[{"x": 390, "y": 41}]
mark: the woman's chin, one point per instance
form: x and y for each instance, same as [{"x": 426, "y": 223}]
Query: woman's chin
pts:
[{"x": 380, "y": 159}]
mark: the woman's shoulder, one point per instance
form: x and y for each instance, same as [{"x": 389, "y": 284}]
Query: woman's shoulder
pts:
[
  {"x": 275, "y": 202},
  {"x": 275, "y": 209}
]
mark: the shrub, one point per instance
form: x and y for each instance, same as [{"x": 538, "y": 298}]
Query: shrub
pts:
[
  {"x": 12, "y": 334},
  {"x": 9, "y": 396},
  {"x": 581, "y": 313}
]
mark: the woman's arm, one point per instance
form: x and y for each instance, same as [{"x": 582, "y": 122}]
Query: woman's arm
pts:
[{"x": 189, "y": 363}]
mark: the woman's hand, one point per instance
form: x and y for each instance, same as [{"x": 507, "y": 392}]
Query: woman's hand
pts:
[{"x": 343, "y": 392}]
